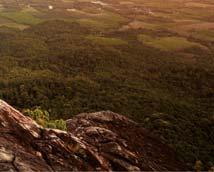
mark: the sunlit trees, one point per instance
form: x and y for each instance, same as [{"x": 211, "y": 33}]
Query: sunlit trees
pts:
[{"x": 42, "y": 117}]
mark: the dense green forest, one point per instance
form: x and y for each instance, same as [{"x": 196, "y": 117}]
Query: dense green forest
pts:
[{"x": 55, "y": 65}]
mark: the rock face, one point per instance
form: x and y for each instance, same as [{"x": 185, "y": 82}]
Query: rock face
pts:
[{"x": 97, "y": 141}]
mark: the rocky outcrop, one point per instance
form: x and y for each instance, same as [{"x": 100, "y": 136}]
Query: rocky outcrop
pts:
[
  {"x": 97, "y": 141},
  {"x": 123, "y": 143}
]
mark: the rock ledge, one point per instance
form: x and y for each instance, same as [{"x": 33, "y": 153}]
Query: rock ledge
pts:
[{"x": 95, "y": 141}]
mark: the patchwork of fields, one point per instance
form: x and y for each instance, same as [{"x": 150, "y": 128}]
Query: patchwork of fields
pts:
[{"x": 173, "y": 18}]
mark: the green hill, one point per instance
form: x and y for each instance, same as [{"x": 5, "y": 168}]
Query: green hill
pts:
[{"x": 54, "y": 60}]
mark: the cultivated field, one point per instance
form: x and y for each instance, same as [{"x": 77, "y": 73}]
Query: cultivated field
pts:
[{"x": 178, "y": 18}]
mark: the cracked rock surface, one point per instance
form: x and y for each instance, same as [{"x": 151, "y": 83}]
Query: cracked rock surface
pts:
[{"x": 102, "y": 141}]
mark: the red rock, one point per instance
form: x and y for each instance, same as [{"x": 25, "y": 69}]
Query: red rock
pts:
[{"x": 98, "y": 141}]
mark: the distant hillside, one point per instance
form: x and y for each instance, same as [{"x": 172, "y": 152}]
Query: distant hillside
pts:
[
  {"x": 57, "y": 66},
  {"x": 149, "y": 60}
]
